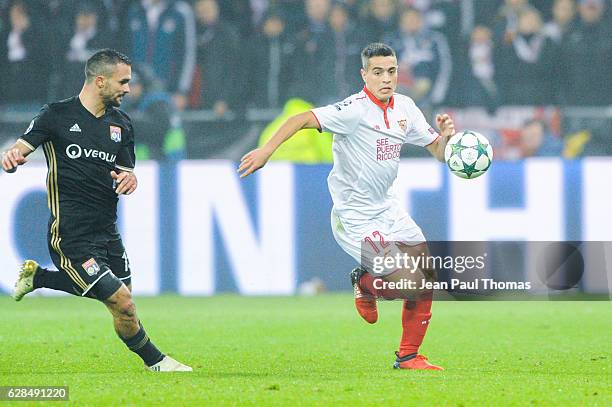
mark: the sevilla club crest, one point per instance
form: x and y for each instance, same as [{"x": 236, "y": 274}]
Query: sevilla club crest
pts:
[{"x": 403, "y": 124}]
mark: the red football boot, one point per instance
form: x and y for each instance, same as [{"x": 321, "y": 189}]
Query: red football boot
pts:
[
  {"x": 364, "y": 301},
  {"x": 416, "y": 362}
]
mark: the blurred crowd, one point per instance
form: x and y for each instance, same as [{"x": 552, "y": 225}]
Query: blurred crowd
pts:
[{"x": 229, "y": 55}]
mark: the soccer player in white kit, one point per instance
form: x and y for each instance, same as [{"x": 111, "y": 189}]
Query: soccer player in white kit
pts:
[{"x": 369, "y": 129}]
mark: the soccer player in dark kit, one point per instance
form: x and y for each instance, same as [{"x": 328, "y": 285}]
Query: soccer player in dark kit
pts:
[{"x": 89, "y": 147}]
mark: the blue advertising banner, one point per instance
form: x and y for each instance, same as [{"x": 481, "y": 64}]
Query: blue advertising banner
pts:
[{"x": 195, "y": 228}]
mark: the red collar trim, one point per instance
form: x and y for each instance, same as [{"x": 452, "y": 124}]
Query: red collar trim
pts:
[{"x": 378, "y": 102}]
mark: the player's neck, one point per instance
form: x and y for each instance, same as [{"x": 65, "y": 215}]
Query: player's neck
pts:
[
  {"x": 92, "y": 102},
  {"x": 382, "y": 103}
]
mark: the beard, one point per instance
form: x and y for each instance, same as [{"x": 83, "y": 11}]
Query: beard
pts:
[{"x": 111, "y": 100}]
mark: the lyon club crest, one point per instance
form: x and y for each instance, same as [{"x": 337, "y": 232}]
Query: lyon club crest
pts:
[
  {"x": 402, "y": 124},
  {"x": 115, "y": 134},
  {"x": 91, "y": 267}
]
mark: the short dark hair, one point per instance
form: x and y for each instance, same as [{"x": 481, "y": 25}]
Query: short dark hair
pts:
[
  {"x": 103, "y": 63},
  {"x": 375, "y": 49}
]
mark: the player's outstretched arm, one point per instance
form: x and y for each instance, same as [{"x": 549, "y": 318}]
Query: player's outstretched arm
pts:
[
  {"x": 126, "y": 182},
  {"x": 14, "y": 157},
  {"x": 447, "y": 130},
  {"x": 255, "y": 159}
]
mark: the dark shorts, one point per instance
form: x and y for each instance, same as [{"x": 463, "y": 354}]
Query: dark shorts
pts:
[{"x": 97, "y": 264}]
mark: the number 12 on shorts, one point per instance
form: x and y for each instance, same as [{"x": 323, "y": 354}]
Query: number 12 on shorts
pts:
[{"x": 379, "y": 245}]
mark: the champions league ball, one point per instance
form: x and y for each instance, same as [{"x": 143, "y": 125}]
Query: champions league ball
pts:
[{"x": 468, "y": 154}]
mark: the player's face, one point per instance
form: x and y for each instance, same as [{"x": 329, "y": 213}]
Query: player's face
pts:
[
  {"x": 381, "y": 77},
  {"x": 117, "y": 85}
]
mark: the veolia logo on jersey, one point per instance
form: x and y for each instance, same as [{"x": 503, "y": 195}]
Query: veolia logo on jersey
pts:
[{"x": 75, "y": 151}]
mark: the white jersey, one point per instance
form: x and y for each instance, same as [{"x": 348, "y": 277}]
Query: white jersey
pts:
[{"x": 368, "y": 137}]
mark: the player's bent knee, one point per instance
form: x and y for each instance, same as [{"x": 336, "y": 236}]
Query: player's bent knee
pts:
[
  {"x": 127, "y": 308},
  {"x": 121, "y": 302}
]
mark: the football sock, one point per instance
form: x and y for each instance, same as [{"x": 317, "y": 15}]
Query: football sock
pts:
[
  {"x": 366, "y": 283},
  {"x": 415, "y": 316},
  {"x": 55, "y": 280},
  {"x": 415, "y": 320},
  {"x": 407, "y": 357},
  {"x": 141, "y": 345}
]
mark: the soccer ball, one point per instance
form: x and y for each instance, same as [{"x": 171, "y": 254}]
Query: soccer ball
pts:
[{"x": 468, "y": 154}]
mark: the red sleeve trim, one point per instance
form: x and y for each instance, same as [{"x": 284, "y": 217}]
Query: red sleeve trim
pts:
[{"x": 320, "y": 129}]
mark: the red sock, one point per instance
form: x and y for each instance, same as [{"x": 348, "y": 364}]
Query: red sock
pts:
[
  {"x": 366, "y": 282},
  {"x": 415, "y": 320}
]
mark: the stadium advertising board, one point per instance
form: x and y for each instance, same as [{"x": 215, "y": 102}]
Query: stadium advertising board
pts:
[{"x": 197, "y": 229}]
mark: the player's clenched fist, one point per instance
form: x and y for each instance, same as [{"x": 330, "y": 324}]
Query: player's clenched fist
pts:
[
  {"x": 445, "y": 124},
  {"x": 11, "y": 159},
  {"x": 126, "y": 181},
  {"x": 252, "y": 161}
]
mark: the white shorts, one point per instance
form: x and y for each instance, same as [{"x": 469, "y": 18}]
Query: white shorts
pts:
[{"x": 393, "y": 225}]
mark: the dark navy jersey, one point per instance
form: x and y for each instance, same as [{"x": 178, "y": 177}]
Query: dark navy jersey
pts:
[{"x": 81, "y": 152}]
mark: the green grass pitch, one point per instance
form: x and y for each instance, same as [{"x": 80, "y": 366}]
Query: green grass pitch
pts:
[{"x": 312, "y": 350}]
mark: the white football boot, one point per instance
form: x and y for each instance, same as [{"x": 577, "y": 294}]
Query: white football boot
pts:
[
  {"x": 167, "y": 364},
  {"x": 25, "y": 281}
]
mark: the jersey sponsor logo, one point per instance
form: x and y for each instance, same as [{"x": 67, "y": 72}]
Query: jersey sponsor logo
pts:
[
  {"x": 342, "y": 104},
  {"x": 115, "y": 134},
  {"x": 387, "y": 151},
  {"x": 75, "y": 127},
  {"x": 91, "y": 267},
  {"x": 29, "y": 129},
  {"x": 431, "y": 130},
  {"x": 403, "y": 124},
  {"x": 75, "y": 151}
]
